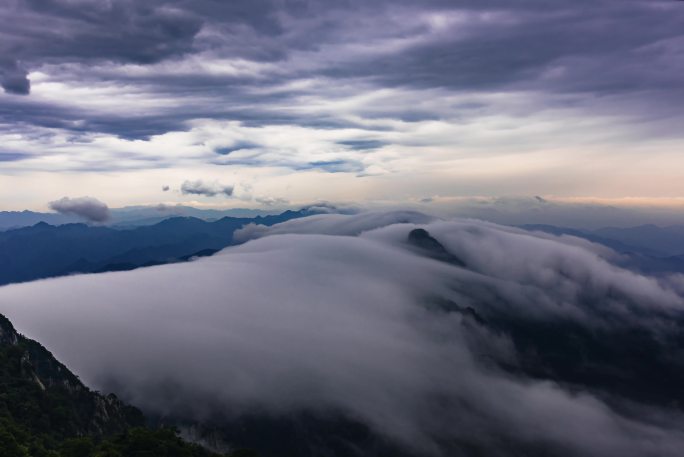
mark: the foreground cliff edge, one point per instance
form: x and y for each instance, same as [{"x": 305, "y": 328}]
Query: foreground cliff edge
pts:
[{"x": 46, "y": 411}]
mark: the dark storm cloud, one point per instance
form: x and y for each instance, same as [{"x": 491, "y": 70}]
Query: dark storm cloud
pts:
[
  {"x": 20, "y": 115},
  {"x": 13, "y": 78},
  {"x": 42, "y": 31},
  {"x": 363, "y": 145},
  {"x": 334, "y": 166},
  {"x": 200, "y": 187},
  {"x": 225, "y": 150},
  {"x": 593, "y": 46},
  {"x": 12, "y": 156},
  {"x": 567, "y": 46},
  {"x": 355, "y": 319},
  {"x": 88, "y": 208}
]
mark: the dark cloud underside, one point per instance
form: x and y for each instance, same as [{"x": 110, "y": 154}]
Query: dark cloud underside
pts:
[{"x": 601, "y": 47}]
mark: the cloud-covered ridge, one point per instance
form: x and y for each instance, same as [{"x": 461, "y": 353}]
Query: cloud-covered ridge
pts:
[{"x": 500, "y": 352}]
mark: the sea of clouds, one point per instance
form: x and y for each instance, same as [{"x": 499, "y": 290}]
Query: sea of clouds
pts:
[{"x": 426, "y": 343}]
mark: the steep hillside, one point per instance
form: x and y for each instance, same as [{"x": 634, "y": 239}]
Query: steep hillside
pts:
[{"x": 45, "y": 411}]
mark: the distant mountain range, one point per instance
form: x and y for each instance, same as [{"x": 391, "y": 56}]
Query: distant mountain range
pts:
[
  {"x": 646, "y": 248},
  {"x": 54, "y": 245},
  {"x": 644, "y": 239},
  {"x": 44, "y": 250},
  {"x": 126, "y": 216},
  {"x": 661, "y": 241}
]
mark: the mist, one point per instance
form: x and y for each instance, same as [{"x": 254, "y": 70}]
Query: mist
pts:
[{"x": 443, "y": 346}]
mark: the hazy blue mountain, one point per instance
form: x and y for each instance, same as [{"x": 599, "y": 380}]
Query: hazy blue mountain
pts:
[
  {"x": 44, "y": 250},
  {"x": 148, "y": 215},
  {"x": 130, "y": 216},
  {"x": 614, "y": 244},
  {"x": 646, "y": 240},
  {"x": 647, "y": 249},
  {"x": 649, "y": 240},
  {"x": 16, "y": 219},
  {"x": 666, "y": 241}
]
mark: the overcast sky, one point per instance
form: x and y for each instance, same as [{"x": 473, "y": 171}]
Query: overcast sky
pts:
[{"x": 263, "y": 102}]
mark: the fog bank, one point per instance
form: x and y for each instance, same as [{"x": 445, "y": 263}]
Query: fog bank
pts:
[{"x": 419, "y": 340}]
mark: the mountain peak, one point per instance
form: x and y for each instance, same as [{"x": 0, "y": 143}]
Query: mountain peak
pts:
[
  {"x": 422, "y": 239},
  {"x": 8, "y": 335}
]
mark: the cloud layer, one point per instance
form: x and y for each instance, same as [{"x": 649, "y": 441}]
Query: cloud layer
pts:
[{"x": 346, "y": 315}]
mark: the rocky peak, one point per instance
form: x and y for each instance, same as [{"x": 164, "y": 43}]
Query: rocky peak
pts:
[
  {"x": 421, "y": 239},
  {"x": 7, "y": 333}
]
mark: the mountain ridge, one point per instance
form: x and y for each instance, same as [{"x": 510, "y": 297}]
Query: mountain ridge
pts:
[
  {"x": 44, "y": 250},
  {"x": 46, "y": 411}
]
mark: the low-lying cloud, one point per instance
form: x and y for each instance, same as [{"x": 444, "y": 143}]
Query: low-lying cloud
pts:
[
  {"x": 88, "y": 208},
  {"x": 478, "y": 339},
  {"x": 212, "y": 189}
]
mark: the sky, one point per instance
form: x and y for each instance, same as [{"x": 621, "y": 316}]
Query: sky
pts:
[{"x": 269, "y": 103}]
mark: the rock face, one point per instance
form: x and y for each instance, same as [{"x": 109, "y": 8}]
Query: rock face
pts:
[
  {"x": 421, "y": 239},
  {"x": 8, "y": 336},
  {"x": 43, "y": 396}
]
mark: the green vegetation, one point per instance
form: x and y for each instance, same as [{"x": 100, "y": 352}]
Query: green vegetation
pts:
[{"x": 135, "y": 442}]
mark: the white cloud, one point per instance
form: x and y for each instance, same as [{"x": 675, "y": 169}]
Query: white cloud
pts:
[{"x": 339, "y": 313}]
